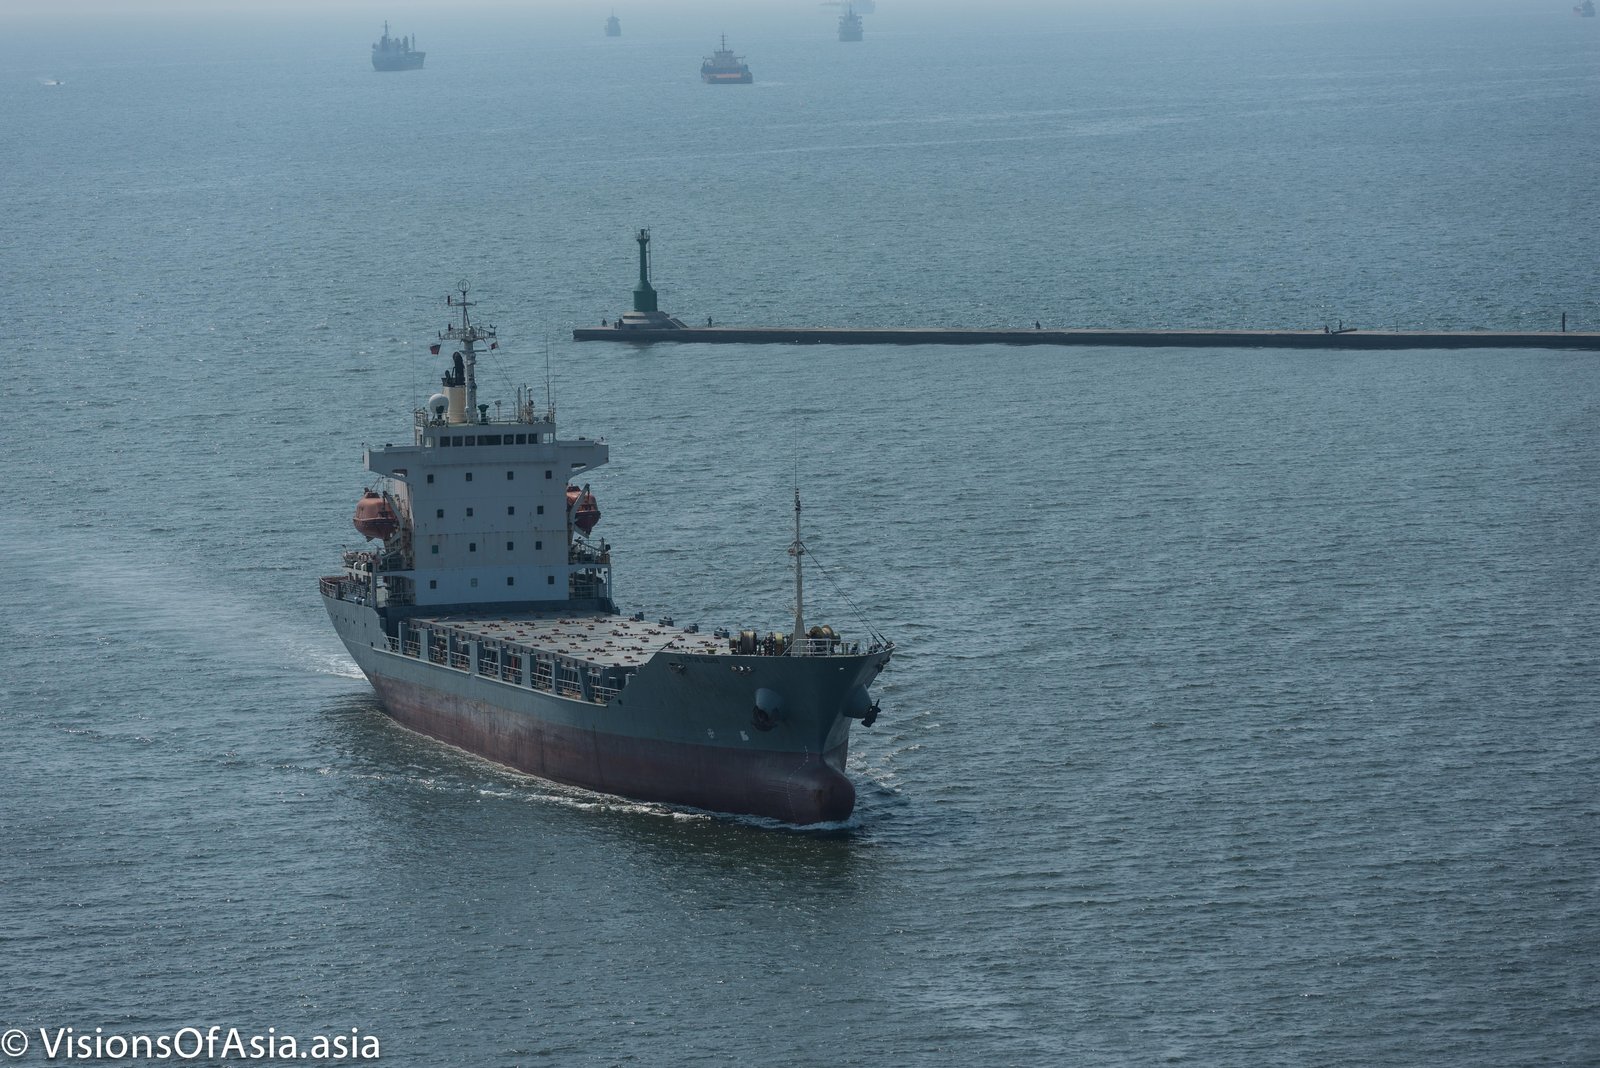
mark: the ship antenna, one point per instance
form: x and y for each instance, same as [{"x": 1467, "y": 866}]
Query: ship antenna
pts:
[
  {"x": 797, "y": 550},
  {"x": 549, "y": 396},
  {"x": 469, "y": 335}
]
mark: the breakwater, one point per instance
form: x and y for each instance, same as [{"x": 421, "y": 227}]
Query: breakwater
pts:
[{"x": 1281, "y": 339}]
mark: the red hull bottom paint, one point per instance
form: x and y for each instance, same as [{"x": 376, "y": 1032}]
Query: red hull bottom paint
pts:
[{"x": 796, "y": 788}]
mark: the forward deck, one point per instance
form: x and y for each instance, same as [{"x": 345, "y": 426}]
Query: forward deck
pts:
[
  {"x": 584, "y": 657},
  {"x": 610, "y": 641}
]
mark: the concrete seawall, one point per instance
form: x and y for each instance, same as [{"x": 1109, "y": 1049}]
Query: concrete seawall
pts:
[{"x": 1221, "y": 339}]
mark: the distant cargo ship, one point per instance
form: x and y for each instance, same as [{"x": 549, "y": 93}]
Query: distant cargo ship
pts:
[
  {"x": 724, "y": 68},
  {"x": 613, "y": 26},
  {"x": 850, "y": 25},
  {"x": 395, "y": 53},
  {"x": 1585, "y": 9}
]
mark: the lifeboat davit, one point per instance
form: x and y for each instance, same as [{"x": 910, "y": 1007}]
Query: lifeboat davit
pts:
[
  {"x": 583, "y": 508},
  {"x": 374, "y": 518}
]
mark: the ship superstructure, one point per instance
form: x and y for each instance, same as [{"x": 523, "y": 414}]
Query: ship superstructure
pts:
[
  {"x": 396, "y": 53},
  {"x": 613, "y": 26},
  {"x": 484, "y": 616},
  {"x": 849, "y": 24},
  {"x": 722, "y": 67}
]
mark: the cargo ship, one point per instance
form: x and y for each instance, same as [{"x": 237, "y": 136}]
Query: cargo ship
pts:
[
  {"x": 849, "y": 25},
  {"x": 395, "y": 53},
  {"x": 482, "y": 613},
  {"x": 724, "y": 68},
  {"x": 613, "y": 26}
]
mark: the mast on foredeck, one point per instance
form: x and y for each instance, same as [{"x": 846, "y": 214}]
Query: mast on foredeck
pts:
[
  {"x": 468, "y": 335},
  {"x": 797, "y": 549}
]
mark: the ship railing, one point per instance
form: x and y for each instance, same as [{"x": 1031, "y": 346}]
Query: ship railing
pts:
[
  {"x": 460, "y": 660},
  {"x": 412, "y": 648},
  {"x": 542, "y": 674},
  {"x": 816, "y": 647},
  {"x": 421, "y": 417},
  {"x": 344, "y": 588},
  {"x": 569, "y": 683},
  {"x": 604, "y": 694}
]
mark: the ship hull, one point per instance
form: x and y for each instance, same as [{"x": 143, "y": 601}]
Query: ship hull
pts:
[
  {"x": 682, "y": 732},
  {"x": 795, "y": 788},
  {"x": 403, "y": 61}
]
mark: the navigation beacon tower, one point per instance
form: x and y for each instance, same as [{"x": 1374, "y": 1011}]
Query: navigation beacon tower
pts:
[{"x": 645, "y": 314}]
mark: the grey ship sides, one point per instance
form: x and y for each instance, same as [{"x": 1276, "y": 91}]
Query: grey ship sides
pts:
[
  {"x": 483, "y": 617},
  {"x": 849, "y": 25},
  {"x": 395, "y": 53},
  {"x": 722, "y": 67}
]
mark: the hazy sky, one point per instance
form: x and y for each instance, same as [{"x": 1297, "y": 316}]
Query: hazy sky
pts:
[{"x": 436, "y": 10}]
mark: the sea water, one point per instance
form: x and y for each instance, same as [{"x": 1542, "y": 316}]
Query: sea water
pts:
[{"x": 1245, "y": 704}]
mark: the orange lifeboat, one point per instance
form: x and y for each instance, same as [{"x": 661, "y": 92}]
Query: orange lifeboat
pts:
[
  {"x": 374, "y": 518},
  {"x": 587, "y": 513},
  {"x": 583, "y": 508}
]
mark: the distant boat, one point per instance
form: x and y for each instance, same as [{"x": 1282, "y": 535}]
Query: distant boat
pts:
[
  {"x": 395, "y": 53},
  {"x": 1585, "y": 9},
  {"x": 724, "y": 68},
  {"x": 850, "y": 25},
  {"x": 613, "y": 27}
]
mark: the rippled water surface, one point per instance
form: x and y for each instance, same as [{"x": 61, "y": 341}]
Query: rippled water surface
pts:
[{"x": 1246, "y": 704}]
